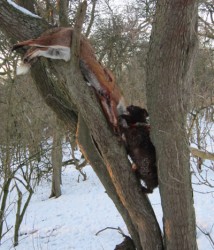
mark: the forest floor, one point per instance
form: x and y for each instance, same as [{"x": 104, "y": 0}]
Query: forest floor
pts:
[{"x": 72, "y": 220}]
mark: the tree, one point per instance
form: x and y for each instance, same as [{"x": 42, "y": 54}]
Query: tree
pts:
[
  {"x": 56, "y": 161},
  {"x": 70, "y": 97},
  {"x": 172, "y": 49}
]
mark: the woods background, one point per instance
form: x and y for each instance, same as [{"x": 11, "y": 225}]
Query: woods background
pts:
[{"x": 170, "y": 73}]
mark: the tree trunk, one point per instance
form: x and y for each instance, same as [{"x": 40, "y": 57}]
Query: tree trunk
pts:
[
  {"x": 92, "y": 155},
  {"x": 56, "y": 162},
  {"x": 63, "y": 12},
  {"x": 169, "y": 72}
]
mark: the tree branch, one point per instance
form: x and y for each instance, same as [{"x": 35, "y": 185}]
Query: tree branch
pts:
[
  {"x": 12, "y": 19},
  {"x": 92, "y": 155},
  {"x": 202, "y": 154},
  {"x": 91, "y": 18},
  {"x": 63, "y": 13},
  {"x": 75, "y": 47}
]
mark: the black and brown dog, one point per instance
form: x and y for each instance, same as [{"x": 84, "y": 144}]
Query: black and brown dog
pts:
[{"x": 136, "y": 135}]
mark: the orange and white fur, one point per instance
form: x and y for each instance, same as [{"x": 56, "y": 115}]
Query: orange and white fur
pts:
[{"x": 55, "y": 44}]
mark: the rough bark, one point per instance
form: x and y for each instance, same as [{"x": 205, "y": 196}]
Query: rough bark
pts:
[
  {"x": 169, "y": 71},
  {"x": 29, "y": 5},
  {"x": 26, "y": 26},
  {"x": 71, "y": 95}
]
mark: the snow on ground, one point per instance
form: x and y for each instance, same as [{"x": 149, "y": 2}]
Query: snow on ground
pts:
[
  {"x": 204, "y": 206},
  {"x": 72, "y": 220}
]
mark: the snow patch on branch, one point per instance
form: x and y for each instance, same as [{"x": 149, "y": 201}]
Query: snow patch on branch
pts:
[{"x": 23, "y": 10}]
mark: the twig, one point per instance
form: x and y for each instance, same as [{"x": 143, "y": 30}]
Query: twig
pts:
[
  {"x": 207, "y": 235},
  {"x": 114, "y": 228},
  {"x": 68, "y": 162}
]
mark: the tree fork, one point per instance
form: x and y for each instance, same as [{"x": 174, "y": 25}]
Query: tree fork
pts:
[{"x": 71, "y": 93}]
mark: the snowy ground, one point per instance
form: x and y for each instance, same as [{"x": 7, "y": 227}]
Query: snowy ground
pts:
[{"x": 72, "y": 220}]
